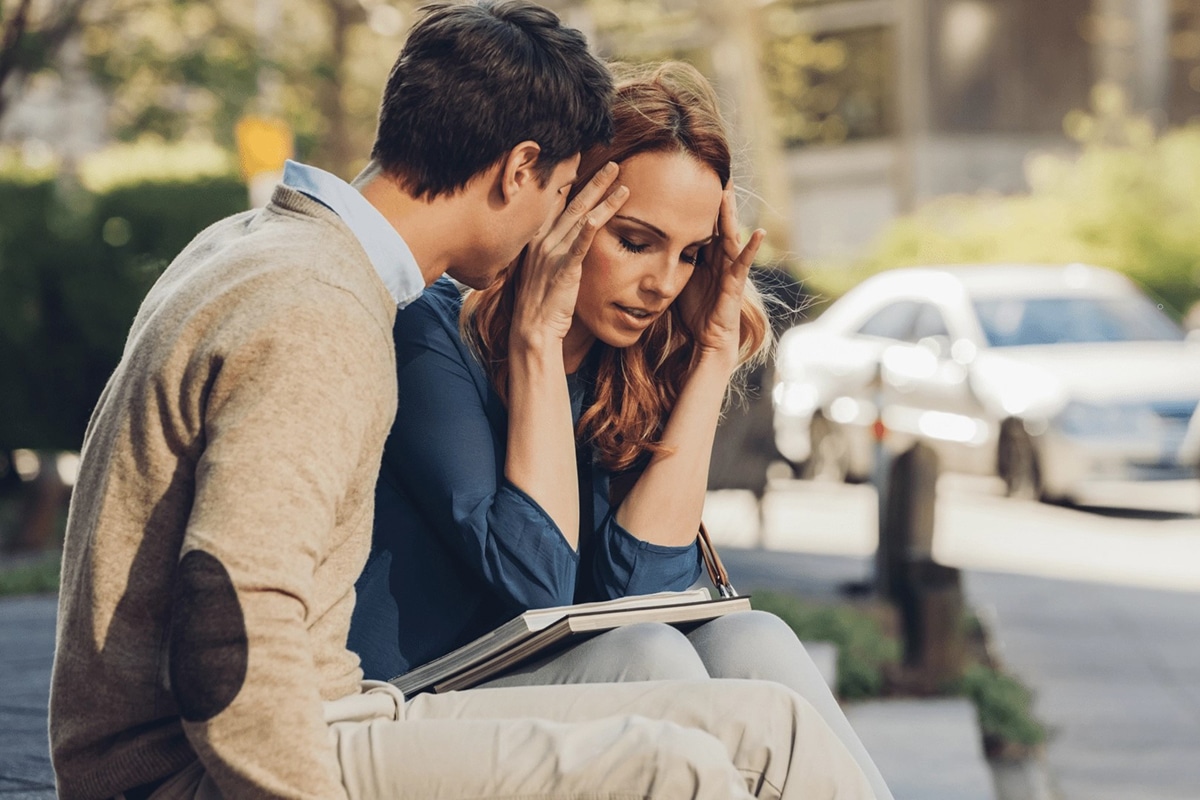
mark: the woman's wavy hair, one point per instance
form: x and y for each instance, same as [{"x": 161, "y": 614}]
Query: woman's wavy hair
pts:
[{"x": 668, "y": 107}]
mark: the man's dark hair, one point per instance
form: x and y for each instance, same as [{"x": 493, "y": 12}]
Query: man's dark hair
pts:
[{"x": 475, "y": 80}]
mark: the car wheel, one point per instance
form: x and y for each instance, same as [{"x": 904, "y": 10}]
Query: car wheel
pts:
[
  {"x": 830, "y": 458},
  {"x": 1018, "y": 462}
]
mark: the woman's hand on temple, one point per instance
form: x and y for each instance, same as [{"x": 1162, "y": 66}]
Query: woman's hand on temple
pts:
[
  {"x": 548, "y": 282},
  {"x": 711, "y": 303}
]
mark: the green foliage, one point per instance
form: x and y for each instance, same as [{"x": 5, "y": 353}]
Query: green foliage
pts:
[
  {"x": 74, "y": 266},
  {"x": 864, "y": 650},
  {"x": 1131, "y": 205},
  {"x": 1004, "y": 706},
  {"x": 33, "y": 577}
]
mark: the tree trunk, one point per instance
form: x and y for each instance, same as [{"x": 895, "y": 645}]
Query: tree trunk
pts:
[
  {"x": 336, "y": 152},
  {"x": 42, "y": 502},
  {"x": 10, "y": 42}
]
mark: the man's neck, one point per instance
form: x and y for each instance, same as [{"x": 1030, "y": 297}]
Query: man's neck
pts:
[{"x": 432, "y": 229}]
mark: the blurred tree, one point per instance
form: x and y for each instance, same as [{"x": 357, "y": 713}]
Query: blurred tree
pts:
[
  {"x": 177, "y": 68},
  {"x": 31, "y": 35}
]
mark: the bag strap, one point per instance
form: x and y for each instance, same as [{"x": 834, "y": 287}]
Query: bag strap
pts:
[{"x": 712, "y": 562}]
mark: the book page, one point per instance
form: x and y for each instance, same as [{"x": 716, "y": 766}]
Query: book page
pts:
[{"x": 538, "y": 618}]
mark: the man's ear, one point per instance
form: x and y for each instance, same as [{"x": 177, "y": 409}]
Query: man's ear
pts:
[{"x": 519, "y": 169}]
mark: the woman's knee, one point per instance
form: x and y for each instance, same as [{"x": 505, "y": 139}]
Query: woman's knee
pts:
[
  {"x": 749, "y": 644},
  {"x": 750, "y": 629},
  {"x": 649, "y": 651}
]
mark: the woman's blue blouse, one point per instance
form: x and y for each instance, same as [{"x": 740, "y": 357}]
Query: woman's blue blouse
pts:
[{"x": 458, "y": 549}]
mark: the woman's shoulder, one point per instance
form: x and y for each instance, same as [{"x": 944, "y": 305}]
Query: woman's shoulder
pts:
[
  {"x": 438, "y": 308},
  {"x": 442, "y": 296}
]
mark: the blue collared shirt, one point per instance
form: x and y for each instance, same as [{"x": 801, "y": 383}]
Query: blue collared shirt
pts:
[
  {"x": 458, "y": 549},
  {"x": 386, "y": 249}
]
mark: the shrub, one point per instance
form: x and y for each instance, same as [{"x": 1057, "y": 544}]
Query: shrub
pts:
[
  {"x": 74, "y": 266},
  {"x": 864, "y": 650},
  {"x": 32, "y": 577},
  {"x": 1004, "y": 706}
]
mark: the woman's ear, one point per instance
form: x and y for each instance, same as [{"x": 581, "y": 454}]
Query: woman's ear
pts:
[{"x": 519, "y": 169}]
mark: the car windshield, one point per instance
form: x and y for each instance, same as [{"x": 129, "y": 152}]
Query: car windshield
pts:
[{"x": 1017, "y": 321}]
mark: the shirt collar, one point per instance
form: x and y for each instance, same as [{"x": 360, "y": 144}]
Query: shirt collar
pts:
[{"x": 385, "y": 248}]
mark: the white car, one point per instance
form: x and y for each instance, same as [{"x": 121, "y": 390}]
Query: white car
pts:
[{"x": 1053, "y": 377}]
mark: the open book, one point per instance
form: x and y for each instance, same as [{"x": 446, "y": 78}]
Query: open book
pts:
[{"x": 538, "y": 630}]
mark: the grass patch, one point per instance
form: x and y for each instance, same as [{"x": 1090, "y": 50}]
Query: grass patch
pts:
[{"x": 31, "y": 577}]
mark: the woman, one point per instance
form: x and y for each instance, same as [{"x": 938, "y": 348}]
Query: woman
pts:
[{"x": 554, "y": 431}]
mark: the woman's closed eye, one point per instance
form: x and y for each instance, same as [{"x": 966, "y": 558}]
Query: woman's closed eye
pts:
[{"x": 631, "y": 246}]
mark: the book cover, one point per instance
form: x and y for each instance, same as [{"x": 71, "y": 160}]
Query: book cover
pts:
[{"x": 538, "y": 630}]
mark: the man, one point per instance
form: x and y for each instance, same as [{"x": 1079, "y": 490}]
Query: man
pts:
[{"x": 224, "y": 504}]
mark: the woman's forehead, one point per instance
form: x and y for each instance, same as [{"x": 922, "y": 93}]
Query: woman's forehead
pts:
[{"x": 672, "y": 192}]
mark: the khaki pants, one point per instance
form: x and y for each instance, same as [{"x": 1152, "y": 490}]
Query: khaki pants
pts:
[{"x": 658, "y": 739}]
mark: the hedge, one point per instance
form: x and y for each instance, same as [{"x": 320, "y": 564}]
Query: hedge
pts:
[{"x": 74, "y": 266}]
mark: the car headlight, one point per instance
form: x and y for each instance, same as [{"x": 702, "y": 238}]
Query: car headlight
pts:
[{"x": 1088, "y": 419}]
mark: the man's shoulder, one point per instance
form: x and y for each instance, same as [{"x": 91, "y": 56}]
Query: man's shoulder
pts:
[{"x": 287, "y": 244}]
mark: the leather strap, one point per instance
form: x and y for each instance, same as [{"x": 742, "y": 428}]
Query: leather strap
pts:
[{"x": 712, "y": 562}]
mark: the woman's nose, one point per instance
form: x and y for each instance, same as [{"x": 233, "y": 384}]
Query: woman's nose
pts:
[{"x": 667, "y": 278}]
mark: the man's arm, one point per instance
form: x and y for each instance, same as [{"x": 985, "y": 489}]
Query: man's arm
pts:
[{"x": 290, "y": 415}]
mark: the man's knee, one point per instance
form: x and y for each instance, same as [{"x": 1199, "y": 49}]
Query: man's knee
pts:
[{"x": 688, "y": 762}]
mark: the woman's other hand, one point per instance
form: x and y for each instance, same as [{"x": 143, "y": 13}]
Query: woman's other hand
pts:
[
  {"x": 711, "y": 303},
  {"x": 548, "y": 282}
]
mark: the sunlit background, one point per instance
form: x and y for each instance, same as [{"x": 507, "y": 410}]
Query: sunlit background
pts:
[{"x": 871, "y": 135}]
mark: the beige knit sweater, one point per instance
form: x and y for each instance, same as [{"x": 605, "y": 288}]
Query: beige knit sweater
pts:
[{"x": 223, "y": 513}]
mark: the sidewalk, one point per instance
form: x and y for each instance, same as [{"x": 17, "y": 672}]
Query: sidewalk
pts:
[
  {"x": 928, "y": 749},
  {"x": 1116, "y": 673},
  {"x": 26, "y": 652}
]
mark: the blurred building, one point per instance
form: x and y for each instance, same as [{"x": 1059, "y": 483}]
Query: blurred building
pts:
[{"x": 901, "y": 101}]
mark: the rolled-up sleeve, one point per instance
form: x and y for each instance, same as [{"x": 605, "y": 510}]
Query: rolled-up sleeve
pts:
[{"x": 624, "y": 564}]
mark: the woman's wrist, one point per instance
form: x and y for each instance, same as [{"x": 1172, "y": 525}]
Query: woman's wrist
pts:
[
  {"x": 719, "y": 360},
  {"x": 535, "y": 358},
  {"x": 534, "y": 341}
]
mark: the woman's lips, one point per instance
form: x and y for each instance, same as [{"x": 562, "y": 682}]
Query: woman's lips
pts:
[
  {"x": 635, "y": 311},
  {"x": 636, "y": 316}
]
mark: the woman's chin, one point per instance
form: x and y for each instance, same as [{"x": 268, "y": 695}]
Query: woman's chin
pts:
[{"x": 620, "y": 339}]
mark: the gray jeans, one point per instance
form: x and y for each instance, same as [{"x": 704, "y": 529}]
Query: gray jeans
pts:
[{"x": 751, "y": 644}]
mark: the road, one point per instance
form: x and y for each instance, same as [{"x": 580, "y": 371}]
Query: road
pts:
[
  {"x": 1097, "y": 610},
  {"x": 976, "y": 529}
]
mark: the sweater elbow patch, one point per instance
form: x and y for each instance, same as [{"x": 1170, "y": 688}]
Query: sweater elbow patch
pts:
[{"x": 209, "y": 648}]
